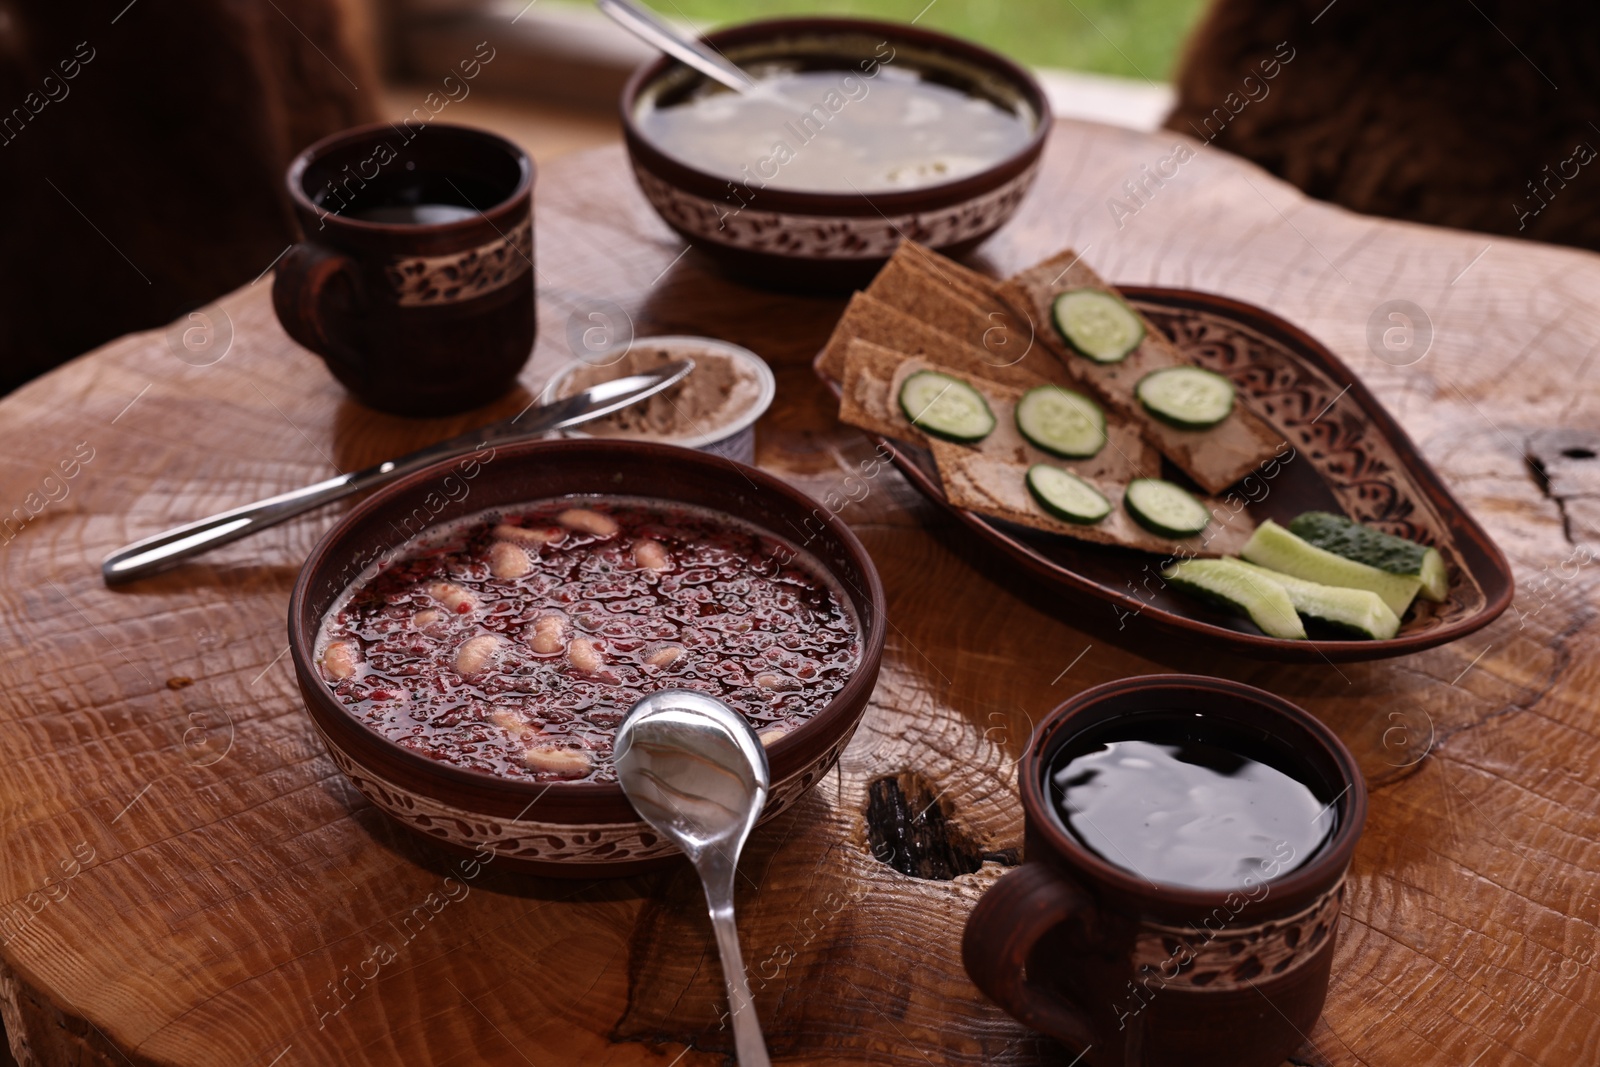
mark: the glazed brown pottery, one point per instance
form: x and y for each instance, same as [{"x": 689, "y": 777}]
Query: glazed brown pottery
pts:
[
  {"x": 413, "y": 317},
  {"x": 1135, "y": 974},
  {"x": 834, "y": 242},
  {"x": 1345, "y": 454},
  {"x": 566, "y": 829}
]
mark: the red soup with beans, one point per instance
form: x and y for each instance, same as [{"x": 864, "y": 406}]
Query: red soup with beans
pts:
[{"x": 514, "y": 641}]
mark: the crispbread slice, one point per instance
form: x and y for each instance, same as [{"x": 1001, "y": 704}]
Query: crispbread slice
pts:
[
  {"x": 869, "y": 399},
  {"x": 992, "y": 486},
  {"x": 867, "y": 318},
  {"x": 1215, "y": 458},
  {"x": 939, "y": 293},
  {"x": 987, "y": 477},
  {"x": 977, "y": 288},
  {"x": 864, "y": 397}
]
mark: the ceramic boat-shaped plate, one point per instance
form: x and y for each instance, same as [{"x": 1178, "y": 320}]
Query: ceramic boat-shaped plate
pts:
[{"x": 1349, "y": 456}]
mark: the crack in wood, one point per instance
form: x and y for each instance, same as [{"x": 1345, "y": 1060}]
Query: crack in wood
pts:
[{"x": 1562, "y": 464}]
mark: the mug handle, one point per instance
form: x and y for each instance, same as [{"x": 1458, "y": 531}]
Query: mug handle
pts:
[
  {"x": 308, "y": 279},
  {"x": 1010, "y": 918}
]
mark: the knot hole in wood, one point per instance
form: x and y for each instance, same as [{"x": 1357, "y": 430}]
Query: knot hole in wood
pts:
[{"x": 910, "y": 828}]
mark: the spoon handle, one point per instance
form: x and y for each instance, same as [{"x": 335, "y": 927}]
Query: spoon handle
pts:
[
  {"x": 144, "y": 558},
  {"x": 643, "y": 23},
  {"x": 748, "y": 1043},
  {"x": 159, "y": 551}
]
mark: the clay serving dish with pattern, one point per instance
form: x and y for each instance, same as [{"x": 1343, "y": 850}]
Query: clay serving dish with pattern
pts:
[
  {"x": 565, "y": 829},
  {"x": 1348, "y": 455},
  {"x": 812, "y": 241}
]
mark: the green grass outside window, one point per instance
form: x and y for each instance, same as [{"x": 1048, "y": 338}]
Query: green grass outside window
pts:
[{"x": 1131, "y": 38}]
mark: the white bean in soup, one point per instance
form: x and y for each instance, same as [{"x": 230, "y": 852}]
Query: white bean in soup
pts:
[{"x": 837, "y": 131}]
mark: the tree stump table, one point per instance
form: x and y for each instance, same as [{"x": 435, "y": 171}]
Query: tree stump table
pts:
[{"x": 188, "y": 880}]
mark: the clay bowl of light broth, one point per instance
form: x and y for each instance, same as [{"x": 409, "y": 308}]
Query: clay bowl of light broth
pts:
[
  {"x": 467, "y": 639},
  {"x": 856, "y": 135}
]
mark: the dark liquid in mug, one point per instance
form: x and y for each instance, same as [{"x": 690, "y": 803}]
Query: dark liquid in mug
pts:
[
  {"x": 416, "y": 214},
  {"x": 1178, "y": 803},
  {"x": 413, "y": 199}
]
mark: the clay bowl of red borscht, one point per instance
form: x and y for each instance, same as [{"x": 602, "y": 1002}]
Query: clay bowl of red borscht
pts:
[{"x": 468, "y": 638}]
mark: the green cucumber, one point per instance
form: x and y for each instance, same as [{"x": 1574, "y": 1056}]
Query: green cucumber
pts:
[
  {"x": 1231, "y": 584},
  {"x": 1067, "y": 496},
  {"x": 1097, "y": 324},
  {"x": 1275, "y": 548},
  {"x": 1359, "y": 611},
  {"x": 1352, "y": 540},
  {"x": 1062, "y": 422},
  {"x": 1164, "y": 508},
  {"x": 946, "y": 406},
  {"x": 1190, "y": 398}
]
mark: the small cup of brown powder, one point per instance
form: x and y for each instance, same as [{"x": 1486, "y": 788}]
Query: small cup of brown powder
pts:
[{"x": 714, "y": 409}]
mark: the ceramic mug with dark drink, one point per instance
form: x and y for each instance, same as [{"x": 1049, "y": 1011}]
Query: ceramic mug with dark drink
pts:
[
  {"x": 1187, "y": 840},
  {"x": 414, "y": 277}
]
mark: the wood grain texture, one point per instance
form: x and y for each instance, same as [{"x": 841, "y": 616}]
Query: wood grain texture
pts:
[{"x": 188, "y": 880}]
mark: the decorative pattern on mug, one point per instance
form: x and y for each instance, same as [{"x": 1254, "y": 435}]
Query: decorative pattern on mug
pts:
[
  {"x": 1231, "y": 957},
  {"x": 424, "y": 281},
  {"x": 831, "y": 236}
]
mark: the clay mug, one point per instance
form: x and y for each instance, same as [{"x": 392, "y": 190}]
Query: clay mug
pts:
[
  {"x": 414, "y": 276},
  {"x": 1133, "y": 973}
]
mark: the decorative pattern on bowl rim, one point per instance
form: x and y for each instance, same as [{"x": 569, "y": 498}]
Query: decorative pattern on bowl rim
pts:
[
  {"x": 548, "y": 842},
  {"x": 874, "y": 236}
]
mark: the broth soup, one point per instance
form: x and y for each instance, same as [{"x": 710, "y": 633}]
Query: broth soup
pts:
[
  {"x": 514, "y": 641},
  {"x": 823, "y": 121}
]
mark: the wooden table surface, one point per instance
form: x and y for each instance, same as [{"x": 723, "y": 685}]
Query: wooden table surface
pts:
[{"x": 188, "y": 880}]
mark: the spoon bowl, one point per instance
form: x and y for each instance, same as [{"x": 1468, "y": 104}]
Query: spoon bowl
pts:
[{"x": 692, "y": 773}]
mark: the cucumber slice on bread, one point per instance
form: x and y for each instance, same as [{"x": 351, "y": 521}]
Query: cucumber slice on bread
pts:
[
  {"x": 1190, "y": 398},
  {"x": 1061, "y": 422},
  {"x": 1352, "y": 540},
  {"x": 1067, "y": 496},
  {"x": 945, "y": 406},
  {"x": 1233, "y": 585},
  {"x": 1275, "y": 548},
  {"x": 1164, "y": 508},
  {"x": 1097, "y": 324}
]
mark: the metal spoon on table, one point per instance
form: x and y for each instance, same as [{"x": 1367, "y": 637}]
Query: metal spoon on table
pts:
[
  {"x": 160, "y": 551},
  {"x": 696, "y": 772},
  {"x": 649, "y": 28}
]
